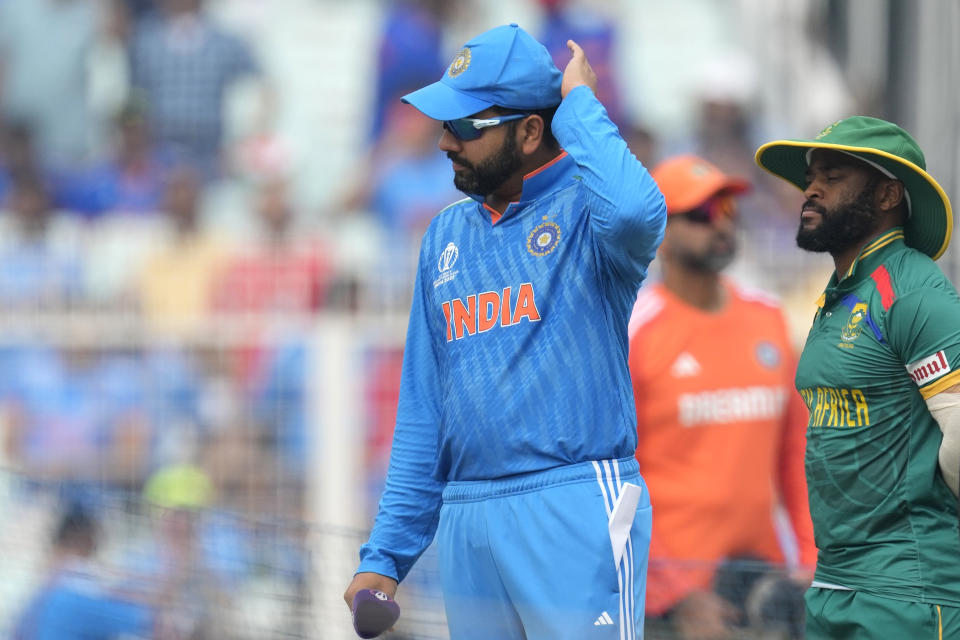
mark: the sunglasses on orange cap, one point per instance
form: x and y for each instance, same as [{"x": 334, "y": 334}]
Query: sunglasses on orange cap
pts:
[{"x": 720, "y": 206}]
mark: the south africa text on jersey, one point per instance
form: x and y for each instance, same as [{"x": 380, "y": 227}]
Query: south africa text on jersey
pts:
[
  {"x": 830, "y": 407},
  {"x": 483, "y": 311}
]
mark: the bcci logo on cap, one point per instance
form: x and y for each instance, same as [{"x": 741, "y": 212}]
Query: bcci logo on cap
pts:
[
  {"x": 460, "y": 63},
  {"x": 543, "y": 239},
  {"x": 448, "y": 258}
]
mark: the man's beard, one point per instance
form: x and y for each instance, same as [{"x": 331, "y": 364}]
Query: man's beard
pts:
[
  {"x": 843, "y": 227},
  {"x": 488, "y": 176},
  {"x": 714, "y": 260}
]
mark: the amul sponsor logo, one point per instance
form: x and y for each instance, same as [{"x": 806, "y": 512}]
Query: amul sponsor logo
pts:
[{"x": 929, "y": 369}]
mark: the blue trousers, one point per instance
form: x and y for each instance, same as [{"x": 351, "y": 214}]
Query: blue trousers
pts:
[{"x": 557, "y": 554}]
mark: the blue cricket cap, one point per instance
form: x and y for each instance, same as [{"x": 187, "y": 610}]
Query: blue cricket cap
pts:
[{"x": 503, "y": 67}]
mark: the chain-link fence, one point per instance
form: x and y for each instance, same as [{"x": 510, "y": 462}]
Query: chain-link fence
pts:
[
  {"x": 210, "y": 573},
  {"x": 214, "y": 573},
  {"x": 230, "y": 479}
]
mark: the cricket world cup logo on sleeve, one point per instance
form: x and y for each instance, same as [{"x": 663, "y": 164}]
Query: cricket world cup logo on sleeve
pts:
[
  {"x": 926, "y": 370},
  {"x": 448, "y": 258}
]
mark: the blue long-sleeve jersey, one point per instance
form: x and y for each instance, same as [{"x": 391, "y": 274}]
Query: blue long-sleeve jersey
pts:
[{"x": 516, "y": 350}]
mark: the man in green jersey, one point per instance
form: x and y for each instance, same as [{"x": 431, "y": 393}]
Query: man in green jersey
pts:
[{"x": 880, "y": 373}]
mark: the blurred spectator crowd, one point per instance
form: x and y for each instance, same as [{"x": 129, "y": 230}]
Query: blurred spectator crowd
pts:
[
  {"x": 144, "y": 393},
  {"x": 148, "y": 256},
  {"x": 123, "y": 189},
  {"x": 106, "y": 209}
]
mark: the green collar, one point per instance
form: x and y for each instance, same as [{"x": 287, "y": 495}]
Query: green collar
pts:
[{"x": 870, "y": 257}]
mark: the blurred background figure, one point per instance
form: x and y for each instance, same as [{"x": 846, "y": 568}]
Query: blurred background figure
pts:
[
  {"x": 401, "y": 179},
  {"x": 184, "y": 64},
  {"x": 75, "y": 601},
  {"x": 727, "y": 130},
  {"x": 726, "y": 98},
  {"x": 76, "y": 421},
  {"x": 284, "y": 268},
  {"x": 279, "y": 398},
  {"x": 399, "y": 182},
  {"x": 409, "y": 53},
  {"x": 45, "y": 46},
  {"x": 410, "y": 180},
  {"x": 642, "y": 142},
  {"x": 17, "y": 157},
  {"x": 129, "y": 180},
  {"x": 597, "y": 35},
  {"x": 173, "y": 569},
  {"x": 176, "y": 281},
  {"x": 720, "y": 428},
  {"x": 41, "y": 265},
  {"x": 381, "y": 395}
]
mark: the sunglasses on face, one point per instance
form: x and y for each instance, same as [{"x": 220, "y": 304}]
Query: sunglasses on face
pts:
[
  {"x": 464, "y": 129},
  {"x": 712, "y": 210}
]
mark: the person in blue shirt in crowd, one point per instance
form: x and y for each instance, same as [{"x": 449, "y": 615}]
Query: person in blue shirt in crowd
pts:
[
  {"x": 73, "y": 603},
  {"x": 130, "y": 181},
  {"x": 515, "y": 427},
  {"x": 408, "y": 52},
  {"x": 597, "y": 34},
  {"x": 183, "y": 64}
]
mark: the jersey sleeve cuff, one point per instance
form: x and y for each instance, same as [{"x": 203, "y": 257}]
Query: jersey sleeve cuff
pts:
[
  {"x": 942, "y": 384},
  {"x": 376, "y": 561}
]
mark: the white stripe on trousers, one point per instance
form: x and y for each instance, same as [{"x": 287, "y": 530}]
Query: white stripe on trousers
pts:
[{"x": 608, "y": 477}]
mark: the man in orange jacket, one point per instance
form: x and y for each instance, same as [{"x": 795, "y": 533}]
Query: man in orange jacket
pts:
[{"x": 721, "y": 430}]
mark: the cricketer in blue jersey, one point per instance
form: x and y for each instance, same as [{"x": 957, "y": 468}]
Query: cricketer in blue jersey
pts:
[
  {"x": 515, "y": 427},
  {"x": 72, "y": 602}
]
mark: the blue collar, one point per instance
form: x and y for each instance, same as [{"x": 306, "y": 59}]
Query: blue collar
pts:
[{"x": 541, "y": 181}]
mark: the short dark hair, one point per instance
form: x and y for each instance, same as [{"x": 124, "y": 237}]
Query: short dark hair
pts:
[{"x": 546, "y": 114}]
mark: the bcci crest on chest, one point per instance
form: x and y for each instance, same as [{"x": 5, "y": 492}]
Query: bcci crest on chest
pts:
[
  {"x": 854, "y": 326},
  {"x": 544, "y": 238}
]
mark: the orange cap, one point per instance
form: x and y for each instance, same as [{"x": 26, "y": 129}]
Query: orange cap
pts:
[{"x": 688, "y": 181}]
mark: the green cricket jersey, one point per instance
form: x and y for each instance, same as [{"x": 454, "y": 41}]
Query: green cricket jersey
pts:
[{"x": 884, "y": 338}]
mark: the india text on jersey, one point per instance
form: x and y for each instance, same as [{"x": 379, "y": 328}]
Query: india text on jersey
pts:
[{"x": 481, "y": 312}]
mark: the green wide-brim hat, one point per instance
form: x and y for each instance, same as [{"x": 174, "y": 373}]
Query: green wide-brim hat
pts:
[{"x": 888, "y": 148}]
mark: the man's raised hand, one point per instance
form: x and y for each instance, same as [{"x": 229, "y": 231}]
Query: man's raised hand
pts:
[{"x": 578, "y": 71}]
